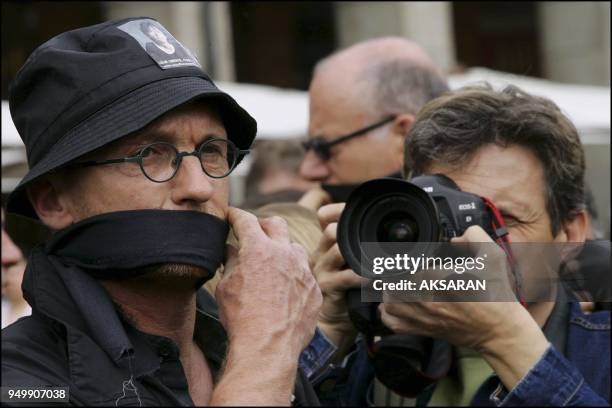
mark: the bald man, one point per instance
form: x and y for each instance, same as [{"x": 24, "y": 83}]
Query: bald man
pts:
[
  {"x": 369, "y": 92},
  {"x": 363, "y": 100}
]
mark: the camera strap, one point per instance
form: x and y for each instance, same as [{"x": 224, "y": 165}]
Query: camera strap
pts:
[{"x": 502, "y": 238}]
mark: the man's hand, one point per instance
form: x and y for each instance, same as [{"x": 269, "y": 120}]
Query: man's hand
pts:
[
  {"x": 268, "y": 303},
  {"x": 335, "y": 279},
  {"x": 504, "y": 332},
  {"x": 314, "y": 198}
]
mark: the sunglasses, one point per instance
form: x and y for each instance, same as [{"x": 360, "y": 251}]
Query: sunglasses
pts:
[{"x": 322, "y": 148}]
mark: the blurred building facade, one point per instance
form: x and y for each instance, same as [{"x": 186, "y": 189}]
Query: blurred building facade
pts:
[
  {"x": 561, "y": 41},
  {"x": 277, "y": 43}
]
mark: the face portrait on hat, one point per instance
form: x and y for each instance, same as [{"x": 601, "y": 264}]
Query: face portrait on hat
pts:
[
  {"x": 158, "y": 37},
  {"x": 160, "y": 44},
  {"x": 129, "y": 153}
]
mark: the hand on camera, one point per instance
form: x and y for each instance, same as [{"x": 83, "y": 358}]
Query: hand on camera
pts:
[
  {"x": 504, "y": 332},
  {"x": 268, "y": 297},
  {"x": 314, "y": 199},
  {"x": 334, "y": 279}
]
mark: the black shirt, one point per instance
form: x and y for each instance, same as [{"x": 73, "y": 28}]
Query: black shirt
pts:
[{"x": 76, "y": 338}]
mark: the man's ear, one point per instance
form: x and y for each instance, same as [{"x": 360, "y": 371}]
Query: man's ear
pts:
[
  {"x": 400, "y": 127},
  {"x": 46, "y": 201},
  {"x": 574, "y": 230},
  {"x": 401, "y": 124}
]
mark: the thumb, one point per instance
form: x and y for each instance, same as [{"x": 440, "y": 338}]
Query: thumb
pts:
[{"x": 314, "y": 198}]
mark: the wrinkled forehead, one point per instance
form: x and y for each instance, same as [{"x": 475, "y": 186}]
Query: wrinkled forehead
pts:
[{"x": 511, "y": 174}]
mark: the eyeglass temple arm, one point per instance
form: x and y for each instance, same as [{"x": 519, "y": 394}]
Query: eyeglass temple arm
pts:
[{"x": 360, "y": 131}]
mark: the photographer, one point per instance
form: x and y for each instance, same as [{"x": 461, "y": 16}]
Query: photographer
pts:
[
  {"x": 524, "y": 155},
  {"x": 128, "y": 164}
]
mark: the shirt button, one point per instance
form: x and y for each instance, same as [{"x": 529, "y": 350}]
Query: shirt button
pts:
[{"x": 164, "y": 352}]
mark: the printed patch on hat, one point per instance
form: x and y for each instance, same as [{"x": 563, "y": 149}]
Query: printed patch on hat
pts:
[{"x": 165, "y": 50}]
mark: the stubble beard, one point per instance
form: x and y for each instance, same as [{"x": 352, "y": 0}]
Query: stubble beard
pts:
[{"x": 176, "y": 276}]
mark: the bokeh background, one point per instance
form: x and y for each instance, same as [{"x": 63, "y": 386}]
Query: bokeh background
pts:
[{"x": 263, "y": 54}]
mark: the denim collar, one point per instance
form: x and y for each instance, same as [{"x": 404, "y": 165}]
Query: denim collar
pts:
[{"x": 556, "y": 326}]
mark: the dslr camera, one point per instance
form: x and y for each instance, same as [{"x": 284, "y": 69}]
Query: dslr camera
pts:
[{"x": 425, "y": 209}]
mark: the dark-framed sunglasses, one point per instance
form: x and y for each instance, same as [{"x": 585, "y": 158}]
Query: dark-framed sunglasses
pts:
[
  {"x": 160, "y": 161},
  {"x": 322, "y": 148}
]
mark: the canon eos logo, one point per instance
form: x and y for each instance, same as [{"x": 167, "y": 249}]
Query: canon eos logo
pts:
[{"x": 468, "y": 206}]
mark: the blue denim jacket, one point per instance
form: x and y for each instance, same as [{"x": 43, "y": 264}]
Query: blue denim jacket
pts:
[
  {"x": 579, "y": 375},
  {"x": 315, "y": 356}
]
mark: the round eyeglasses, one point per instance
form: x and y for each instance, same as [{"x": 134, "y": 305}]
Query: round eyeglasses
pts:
[{"x": 160, "y": 161}]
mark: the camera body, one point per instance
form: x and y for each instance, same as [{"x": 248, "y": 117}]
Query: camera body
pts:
[
  {"x": 426, "y": 209},
  {"x": 458, "y": 210}
]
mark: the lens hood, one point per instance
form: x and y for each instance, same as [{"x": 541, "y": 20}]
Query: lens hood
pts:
[{"x": 385, "y": 210}]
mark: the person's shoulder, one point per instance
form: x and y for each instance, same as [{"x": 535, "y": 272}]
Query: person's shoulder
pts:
[
  {"x": 34, "y": 353},
  {"x": 588, "y": 347},
  {"x": 31, "y": 329}
]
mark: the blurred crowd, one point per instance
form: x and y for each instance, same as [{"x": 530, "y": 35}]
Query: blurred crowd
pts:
[{"x": 380, "y": 108}]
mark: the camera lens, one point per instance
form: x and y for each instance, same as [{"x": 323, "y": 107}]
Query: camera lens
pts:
[
  {"x": 398, "y": 227},
  {"x": 384, "y": 211}
]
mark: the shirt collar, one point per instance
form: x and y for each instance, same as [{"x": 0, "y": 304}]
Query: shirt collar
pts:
[{"x": 555, "y": 328}]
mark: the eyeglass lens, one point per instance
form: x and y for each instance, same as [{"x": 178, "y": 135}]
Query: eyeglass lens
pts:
[{"x": 159, "y": 161}]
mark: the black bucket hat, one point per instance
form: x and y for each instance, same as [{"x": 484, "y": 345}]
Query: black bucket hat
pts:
[{"x": 87, "y": 87}]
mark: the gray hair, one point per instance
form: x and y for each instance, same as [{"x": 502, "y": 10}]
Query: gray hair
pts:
[
  {"x": 396, "y": 85},
  {"x": 403, "y": 86}
]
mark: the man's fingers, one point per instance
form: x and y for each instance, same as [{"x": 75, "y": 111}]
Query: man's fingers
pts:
[
  {"x": 477, "y": 241},
  {"x": 475, "y": 233},
  {"x": 314, "y": 198},
  {"x": 393, "y": 322},
  {"x": 340, "y": 281},
  {"x": 349, "y": 279},
  {"x": 276, "y": 228},
  {"x": 244, "y": 224},
  {"x": 587, "y": 307},
  {"x": 332, "y": 259},
  {"x": 231, "y": 255},
  {"x": 328, "y": 238},
  {"x": 330, "y": 213}
]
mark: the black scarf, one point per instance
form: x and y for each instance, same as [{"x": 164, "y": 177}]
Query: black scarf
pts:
[{"x": 120, "y": 244}]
